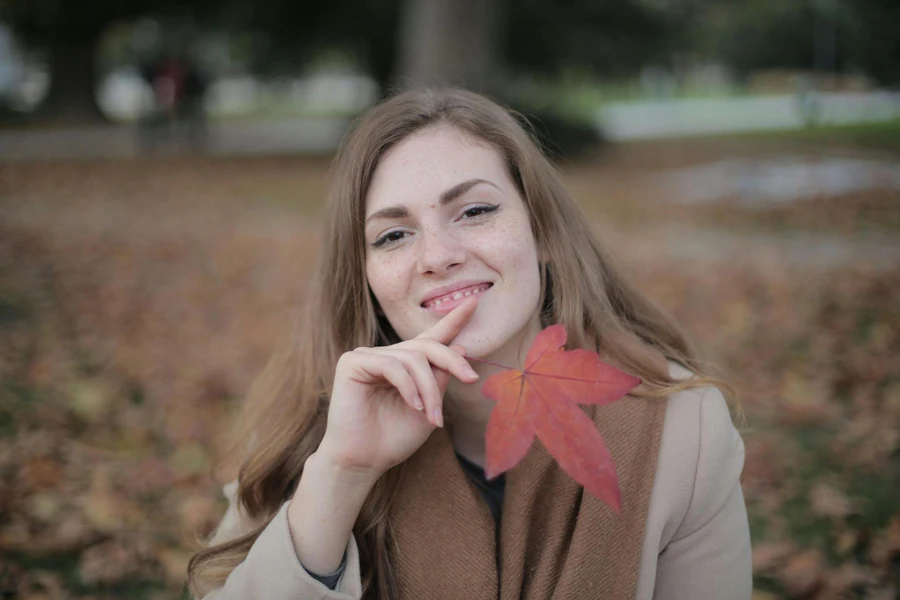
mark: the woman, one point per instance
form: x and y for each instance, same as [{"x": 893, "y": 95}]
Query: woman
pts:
[{"x": 452, "y": 236}]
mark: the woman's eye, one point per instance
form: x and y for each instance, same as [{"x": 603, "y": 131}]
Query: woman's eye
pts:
[
  {"x": 398, "y": 234},
  {"x": 389, "y": 237},
  {"x": 480, "y": 210}
]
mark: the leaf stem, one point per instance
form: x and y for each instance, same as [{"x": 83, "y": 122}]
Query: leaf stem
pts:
[{"x": 493, "y": 364}]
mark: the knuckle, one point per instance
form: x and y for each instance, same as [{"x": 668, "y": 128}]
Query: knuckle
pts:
[
  {"x": 432, "y": 384},
  {"x": 409, "y": 358},
  {"x": 431, "y": 348},
  {"x": 406, "y": 346},
  {"x": 413, "y": 354},
  {"x": 409, "y": 352},
  {"x": 353, "y": 355},
  {"x": 421, "y": 358},
  {"x": 432, "y": 343}
]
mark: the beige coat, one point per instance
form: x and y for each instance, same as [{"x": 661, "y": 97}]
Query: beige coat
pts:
[{"x": 696, "y": 542}]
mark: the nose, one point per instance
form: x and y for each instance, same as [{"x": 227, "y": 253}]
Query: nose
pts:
[{"x": 439, "y": 253}]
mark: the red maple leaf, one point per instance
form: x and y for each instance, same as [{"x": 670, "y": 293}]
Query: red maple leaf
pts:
[{"x": 540, "y": 400}]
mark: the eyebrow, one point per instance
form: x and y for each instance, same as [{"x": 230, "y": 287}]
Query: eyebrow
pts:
[{"x": 447, "y": 196}]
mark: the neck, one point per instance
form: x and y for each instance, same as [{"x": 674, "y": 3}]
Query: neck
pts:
[{"x": 469, "y": 409}]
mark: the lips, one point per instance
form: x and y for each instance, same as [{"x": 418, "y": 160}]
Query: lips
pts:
[{"x": 443, "y": 298}]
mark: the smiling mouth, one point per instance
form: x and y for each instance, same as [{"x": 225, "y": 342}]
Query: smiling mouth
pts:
[{"x": 454, "y": 298}]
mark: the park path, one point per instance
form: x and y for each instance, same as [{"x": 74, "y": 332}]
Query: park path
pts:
[
  {"x": 630, "y": 120},
  {"x": 679, "y": 117},
  {"x": 225, "y": 138},
  {"x": 700, "y": 242}
]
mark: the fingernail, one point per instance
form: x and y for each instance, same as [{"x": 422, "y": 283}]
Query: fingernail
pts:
[
  {"x": 438, "y": 419},
  {"x": 471, "y": 372},
  {"x": 418, "y": 402}
]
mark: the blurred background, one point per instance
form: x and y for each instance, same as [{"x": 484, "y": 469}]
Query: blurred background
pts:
[{"x": 163, "y": 167}]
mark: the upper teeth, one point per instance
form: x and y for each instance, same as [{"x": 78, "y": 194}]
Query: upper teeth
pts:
[{"x": 458, "y": 295}]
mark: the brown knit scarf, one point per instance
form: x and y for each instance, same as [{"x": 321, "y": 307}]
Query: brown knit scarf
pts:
[{"x": 556, "y": 541}]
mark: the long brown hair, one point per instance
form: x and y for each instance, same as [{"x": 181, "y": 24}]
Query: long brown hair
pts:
[{"x": 581, "y": 289}]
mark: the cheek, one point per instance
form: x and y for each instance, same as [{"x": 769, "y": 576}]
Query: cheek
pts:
[
  {"x": 512, "y": 247},
  {"x": 525, "y": 251},
  {"x": 389, "y": 278},
  {"x": 523, "y": 265},
  {"x": 390, "y": 284},
  {"x": 384, "y": 281}
]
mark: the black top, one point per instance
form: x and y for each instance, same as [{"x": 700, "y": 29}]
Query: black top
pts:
[{"x": 491, "y": 490}]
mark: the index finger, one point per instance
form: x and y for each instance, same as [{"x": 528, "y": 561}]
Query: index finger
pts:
[{"x": 449, "y": 327}]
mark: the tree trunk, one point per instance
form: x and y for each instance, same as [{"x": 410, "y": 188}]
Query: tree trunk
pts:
[
  {"x": 449, "y": 42},
  {"x": 72, "y": 95}
]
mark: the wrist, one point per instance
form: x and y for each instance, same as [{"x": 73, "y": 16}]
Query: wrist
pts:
[
  {"x": 336, "y": 474},
  {"x": 323, "y": 510},
  {"x": 331, "y": 463}
]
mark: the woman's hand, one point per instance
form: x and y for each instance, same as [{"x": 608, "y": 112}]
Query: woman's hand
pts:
[{"x": 386, "y": 401}]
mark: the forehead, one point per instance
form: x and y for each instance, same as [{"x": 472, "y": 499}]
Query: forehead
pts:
[{"x": 429, "y": 162}]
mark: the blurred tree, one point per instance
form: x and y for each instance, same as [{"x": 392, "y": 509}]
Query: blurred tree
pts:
[
  {"x": 473, "y": 43},
  {"x": 69, "y": 33},
  {"x": 476, "y": 42},
  {"x": 608, "y": 38},
  {"x": 765, "y": 34},
  {"x": 873, "y": 39},
  {"x": 297, "y": 31},
  {"x": 451, "y": 42},
  {"x": 602, "y": 38},
  {"x": 828, "y": 36}
]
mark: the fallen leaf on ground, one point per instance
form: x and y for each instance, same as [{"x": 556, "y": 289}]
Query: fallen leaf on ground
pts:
[
  {"x": 803, "y": 573},
  {"x": 828, "y": 501},
  {"x": 768, "y": 555}
]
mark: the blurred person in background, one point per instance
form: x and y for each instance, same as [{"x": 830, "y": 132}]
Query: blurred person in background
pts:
[
  {"x": 362, "y": 448},
  {"x": 177, "y": 111},
  {"x": 191, "y": 107}
]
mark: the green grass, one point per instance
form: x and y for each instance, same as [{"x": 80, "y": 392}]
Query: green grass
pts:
[
  {"x": 66, "y": 565},
  {"x": 884, "y": 135}
]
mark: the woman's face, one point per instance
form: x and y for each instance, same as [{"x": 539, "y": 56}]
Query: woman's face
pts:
[{"x": 443, "y": 221}]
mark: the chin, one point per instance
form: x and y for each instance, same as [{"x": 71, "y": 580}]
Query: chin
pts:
[
  {"x": 484, "y": 343},
  {"x": 476, "y": 347}
]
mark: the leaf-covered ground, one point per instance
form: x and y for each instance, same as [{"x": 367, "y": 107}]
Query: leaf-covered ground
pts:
[{"x": 138, "y": 299}]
